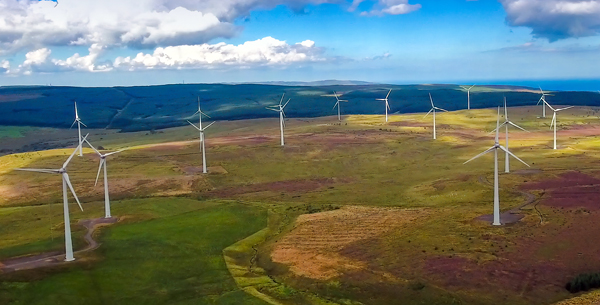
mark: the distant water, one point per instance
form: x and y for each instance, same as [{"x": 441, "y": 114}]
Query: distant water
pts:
[{"x": 562, "y": 85}]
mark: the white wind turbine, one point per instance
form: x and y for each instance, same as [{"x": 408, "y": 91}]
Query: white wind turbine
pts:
[
  {"x": 542, "y": 100},
  {"x": 103, "y": 163},
  {"x": 554, "y": 119},
  {"x": 279, "y": 108},
  {"x": 433, "y": 109},
  {"x": 79, "y": 123},
  {"x": 495, "y": 150},
  {"x": 337, "y": 104},
  {"x": 200, "y": 119},
  {"x": 506, "y": 123},
  {"x": 387, "y": 104},
  {"x": 202, "y": 143},
  {"x": 66, "y": 183},
  {"x": 468, "y": 95}
]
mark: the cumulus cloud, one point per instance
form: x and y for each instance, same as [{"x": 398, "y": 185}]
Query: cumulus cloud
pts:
[
  {"x": 267, "y": 51},
  {"x": 4, "y": 66},
  {"x": 390, "y": 7},
  {"x": 555, "y": 19},
  {"x": 30, "y": 24}
]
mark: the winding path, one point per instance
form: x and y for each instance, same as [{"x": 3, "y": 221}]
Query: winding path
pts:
[{"x": 57, "y": 258}]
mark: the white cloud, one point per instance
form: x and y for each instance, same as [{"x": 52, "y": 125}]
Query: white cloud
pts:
[
  {"x": 84, "y": 63},
  {"x": 390, "y": 7},
  {"x": 30, "y": 24},
  {"x": 4, "y": 66},
  {"x": 267, "y": 51},
  {"x": 555, "y": 19}
]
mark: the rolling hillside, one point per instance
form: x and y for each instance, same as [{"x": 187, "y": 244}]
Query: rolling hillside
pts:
[{"x": 155, "y": 107}]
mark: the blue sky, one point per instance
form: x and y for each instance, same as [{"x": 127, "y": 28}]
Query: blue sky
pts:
[{"x": 92, "y": 43}]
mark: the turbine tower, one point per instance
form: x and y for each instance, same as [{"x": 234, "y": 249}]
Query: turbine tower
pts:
[
  {"x": 337, "y": 104},
  {"x": 506, "y": 123},
  {"x": 65, "y": 183},
  {"x": 79, "y": 123},
  {"x": 387, "y": 104},
  {"x": 554, "y": 119},
  {"x": 433, "y": 109},
  {"x": 495, "y": 150},
  {"x": 200, "y": 119},
  {"x": 203, "y": 148},
  {"x": 468, "y": 95},
  {"x": 103, "y": 163},
  {"x": 279, "y": 108}
]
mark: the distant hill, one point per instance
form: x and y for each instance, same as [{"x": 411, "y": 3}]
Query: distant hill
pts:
[
  {"x": 154, "y": 107},
  {"x": 331, "y": 82}
]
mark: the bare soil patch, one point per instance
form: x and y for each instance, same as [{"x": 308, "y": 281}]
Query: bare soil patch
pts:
[
  {"x": 313, "y": 248},
  {"x": 56, "y": 258}
]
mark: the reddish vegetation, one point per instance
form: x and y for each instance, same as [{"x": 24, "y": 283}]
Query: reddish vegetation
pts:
[{"x": 570, "y": 190}]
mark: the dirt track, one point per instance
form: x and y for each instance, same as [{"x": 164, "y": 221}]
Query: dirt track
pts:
[{"x": 56, "y": 258}]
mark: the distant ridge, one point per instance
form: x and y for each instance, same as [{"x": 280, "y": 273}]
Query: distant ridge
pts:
[{"x": 329, "y": 82}]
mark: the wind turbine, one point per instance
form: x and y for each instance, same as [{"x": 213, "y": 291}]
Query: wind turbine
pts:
[
  {"x": 506, "y": 123},
  {"x": 65, "y": 183},
  {"x": 495, "y": 150},
  {"x": 543, "y": 101},
  {"x": 279, "y": 108},
  {"x": 79, "y": 123},
  {"x": 387, "y": 104},
  {"x": 200, "y": 120},
  {"x": 433, "y": 109},
  {"x": 103, "y": 163},
  {"x": 202, "y": 143},
  {"x": 468, "y": 95},
  {"x": 337, "y": 104},
  {"x": 554, "y": 119}
]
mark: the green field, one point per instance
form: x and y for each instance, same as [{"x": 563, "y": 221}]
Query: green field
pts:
[
  {"x": 177, "y": 223},
  {"x": 165, "y": 251}
]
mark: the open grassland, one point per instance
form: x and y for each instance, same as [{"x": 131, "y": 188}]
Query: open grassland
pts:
[
  {"x": 443, "y": 256},
  {"x": 163, "y": 251}
]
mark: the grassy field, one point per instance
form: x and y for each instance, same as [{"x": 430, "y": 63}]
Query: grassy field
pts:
[
  {"x": 359, "y": 162},
  {"x": 164, "y": 251}
]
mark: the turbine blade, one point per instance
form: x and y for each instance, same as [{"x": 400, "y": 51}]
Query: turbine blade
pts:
[
  {"x": 380, "y": 99},
  {"x": 66, "y": 177},
  {"x": 99, "y": 169},
  {"x": 513, "y": 155},
  {"x": 46, "y": 171},
  {"x": 549, "y": 106},
  {"x": 76, "y": 113},
  {"x": 203, "y": 129},
  {"x": 206, "y": 115},
  {"x": 505, "y": 110},
  {"x": 92, "y": 146},
  {"x": 73, "y": 124},
  {"x": 336, "y": 104},
  {"x": 441, "y": 109},
  {"x": 564, "y": 108},
  {"x": 388, "y": 105},
  {"x": 471, "y": 87},
  {"x": 498, "y": 127},
  {"x": 82, "y": 123},
  {"x": 336, "y": 97},
  {"x": 553, "y": 121},
  {"x": 428, "y": 113},
  {"x": 481, "y": 154},
  {"x": 515, "y": 125},
  {"x": 272, "y": 109},
  {"x": 281, "y": 101},
  {"x": 388, "y": 94},
  {"x": 194, "y": 125},
  {"x": 431, "y": 100},
  {"x": 115, "y": 152},
  {"x": 288, "y": 101},
  {"x": 75, "y": 151}
]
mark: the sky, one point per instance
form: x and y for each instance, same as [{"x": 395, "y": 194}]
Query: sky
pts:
[{"x": 146, "y": 42}]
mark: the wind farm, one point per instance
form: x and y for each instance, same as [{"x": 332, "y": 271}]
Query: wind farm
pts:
[{"x": 292, "y": 186}]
